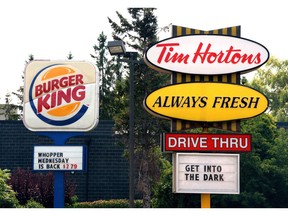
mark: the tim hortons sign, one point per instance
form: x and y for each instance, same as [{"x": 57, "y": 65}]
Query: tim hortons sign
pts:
[
  {"x": 61, "y": 96},
  {"x": 206, "y": 102},
  {"x": 206, "y": 55}
]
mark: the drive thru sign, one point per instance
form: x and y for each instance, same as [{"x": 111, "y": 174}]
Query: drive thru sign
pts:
[{"x": 176, "y": 142}]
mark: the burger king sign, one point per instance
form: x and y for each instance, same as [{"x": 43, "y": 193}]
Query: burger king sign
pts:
[{"x": 61, "y": 96}]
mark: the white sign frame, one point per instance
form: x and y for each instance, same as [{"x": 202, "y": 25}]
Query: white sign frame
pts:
[
  {"x": 83, "y": 80},
  {"x": 206, "y": 55},
  {"x": 67, "y": 158},
  {"x": 227, "y": 164}
]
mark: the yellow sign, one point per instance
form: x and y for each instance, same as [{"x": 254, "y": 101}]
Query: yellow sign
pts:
[{"x": 206, "y": 102}]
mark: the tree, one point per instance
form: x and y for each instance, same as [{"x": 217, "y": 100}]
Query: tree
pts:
[
  {"x": 10, "y": 110},
  {"x": 263, "y": 173},
  {"x": 20, "y": 92},
  {"x": 272, "y": 79},
  {"x": 70, "y": 56},
  {"x": 164, "y": 197},
  {"x": 111, "y": 80},
  {"x": 7, "y": 195},
  {"x": 138, "y": 33}
]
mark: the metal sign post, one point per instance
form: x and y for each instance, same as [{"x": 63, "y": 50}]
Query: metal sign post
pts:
[
  {"x": 59, "y": 139},
  {"x": 205, "y": 198},
  {"x": 205, "y": 201}
]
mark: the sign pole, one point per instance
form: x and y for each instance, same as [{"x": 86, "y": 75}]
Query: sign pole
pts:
[
  {"x": 205, "y": 198},
  {"x": 59, "y": 139},
  {"x": 59, "y": 189}
]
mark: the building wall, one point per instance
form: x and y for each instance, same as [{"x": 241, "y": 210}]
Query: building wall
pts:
[
  {"x": 283, "y": 125},
  {"x": 107, "y": 171}
]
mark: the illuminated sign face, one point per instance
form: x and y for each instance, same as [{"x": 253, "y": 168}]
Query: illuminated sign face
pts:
[
  {"x": 206, "y": 55},
  {"x": 61, "y": 96},
  {"x": 206, "y": 102},
  {"x": 188, "y": 142},
  {"x": 60, "y": 158},
  {"x": 206, "y": 173}
]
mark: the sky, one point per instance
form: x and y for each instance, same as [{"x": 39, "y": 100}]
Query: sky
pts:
[{"x": 50, "y": 29}]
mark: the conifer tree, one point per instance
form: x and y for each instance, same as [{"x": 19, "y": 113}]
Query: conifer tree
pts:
[
  {"x": 138, "y": 33},
  {"x": 111, "y": 80},
  {"x": 20, "y": 92}
]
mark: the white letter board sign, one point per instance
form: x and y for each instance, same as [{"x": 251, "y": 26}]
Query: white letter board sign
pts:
[
  {"x": 59, "y": 158},
  {"x": 206, "y": 173}
]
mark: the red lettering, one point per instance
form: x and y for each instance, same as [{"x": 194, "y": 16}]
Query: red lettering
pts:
[
  {"x": 53, "y": 100},
  {"x": 236, "y": 58},
  {"x": 231, "y": 55},
  {"x": 78, "y": 79},
  {"x": 229, "y": 52},
  {"x": 43, "y": 102},
  {"x": 202, "y": 55},
  {"x": 205, "y": 53},
  {"x": 57, "y": 98},
  {"x": 56, "y": 84},
  {"x": 257, "y": 59},
  {"x": 64, "y": 82},
  {"x": 78, "y": 95},
  {"x": 38, "y": 90},
  {"x": 62, "y": 95},
  {"x": 163, "y": 51}
]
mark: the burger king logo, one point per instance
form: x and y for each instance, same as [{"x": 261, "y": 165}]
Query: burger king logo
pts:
[{"x": 59, "y": 94}]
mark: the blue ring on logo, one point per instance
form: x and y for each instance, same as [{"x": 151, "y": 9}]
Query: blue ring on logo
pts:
[{"x": 75, "y": 118}]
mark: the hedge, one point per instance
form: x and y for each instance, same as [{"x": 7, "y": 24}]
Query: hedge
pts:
[{"x": 113, "y": 203}]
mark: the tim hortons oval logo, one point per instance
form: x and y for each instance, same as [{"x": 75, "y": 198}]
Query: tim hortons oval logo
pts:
[
  {"x": 206, "y": 102},
  {"x": 206, "y": 55},
  {"x": 60, "y": 94}
]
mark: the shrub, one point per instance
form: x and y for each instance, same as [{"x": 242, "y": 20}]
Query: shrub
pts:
[
  {"x": 38, "y": 186},
  {"x": 33, "y": 204},
  {"x": 164, "y": 197},
  {"x": 114, "y": 203},
  {"x": 7, "y": 195}
]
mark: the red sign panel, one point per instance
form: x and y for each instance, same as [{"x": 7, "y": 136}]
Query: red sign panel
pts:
[{"x": 175, "y": 142}]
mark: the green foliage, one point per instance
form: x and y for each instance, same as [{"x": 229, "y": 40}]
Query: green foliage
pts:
[
  {"x": 70, "y": 56},
  {"x": 20, "y": 92},
  {"x": 138, "y": 32},
  {"x": 33, "y": 204},
  {"x": 272, "y": 79},
  {"x": 114, "y": 203},
  {"x": 243, "y": 200},
  {"x": 164, "y": 197},
  {"x": 7, "y": 195},
  {"x": 263, "y": 173},
  {"x": 111, "y": 76},
  {"x": 10, "y": 110}
]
